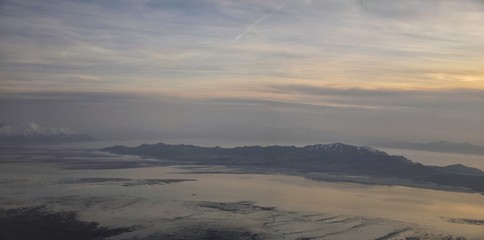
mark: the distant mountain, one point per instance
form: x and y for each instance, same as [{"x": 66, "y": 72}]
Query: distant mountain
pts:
[
  {"x": 461, "y": 169},
  {"x": 334, "y": 158},
  {"x": 27, "y": 132},
  {"x": 441, "y": 146}
]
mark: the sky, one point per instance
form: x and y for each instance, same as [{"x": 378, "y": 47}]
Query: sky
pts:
[{"x": 289, "y": 71}]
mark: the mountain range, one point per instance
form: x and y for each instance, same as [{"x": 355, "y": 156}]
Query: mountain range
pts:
[
  {"x": 336, "y": 158},
  {"x": 28, "y": 132}
]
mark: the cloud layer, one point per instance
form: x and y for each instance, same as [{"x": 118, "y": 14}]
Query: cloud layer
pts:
[
  {"x": 350, "y": 115},
  {"x": 354, "y": 68},
  {"x": 215, "y": 44}
]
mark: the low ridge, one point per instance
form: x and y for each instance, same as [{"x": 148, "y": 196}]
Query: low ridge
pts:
[{"x": 336, "y": 158}]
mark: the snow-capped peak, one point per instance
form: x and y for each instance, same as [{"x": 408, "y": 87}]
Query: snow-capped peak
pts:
[
  {"x": 340, "y": 147},
  {"x": 27, "y": 129}
]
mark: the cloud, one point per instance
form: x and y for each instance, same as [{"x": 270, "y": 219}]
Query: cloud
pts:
[
  {"x": 263, "y": 102},
  {"x": 409, "y": 9},
  {"x": 261, "y": 19},
  {"x": 460, "y": 99},
  {"x": 70, "y": 97},
  {"x": 156, "y": 44},
  {"x": 313, "y": 113},
  {"x": 89, "y": 78},
  {"x": 378, "y": 67}
]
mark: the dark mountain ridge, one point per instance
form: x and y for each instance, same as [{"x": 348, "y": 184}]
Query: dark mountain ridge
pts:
[{"x": 334, "y": 158}]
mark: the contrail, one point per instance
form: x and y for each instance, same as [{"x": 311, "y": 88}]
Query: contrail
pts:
[{"x": 263, "y": 18}]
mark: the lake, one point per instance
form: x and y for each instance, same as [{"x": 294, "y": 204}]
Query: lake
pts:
[{"x": 37, "y": 176}]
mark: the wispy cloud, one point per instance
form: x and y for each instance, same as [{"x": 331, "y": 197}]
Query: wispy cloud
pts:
[
  {"x": 388, "y": 64},
  {"x": 466, "y": 99},
  {"x": 190, "y": 44},
  {"x": 313, "y": 114},
  {"x": 260, "y": 20}
]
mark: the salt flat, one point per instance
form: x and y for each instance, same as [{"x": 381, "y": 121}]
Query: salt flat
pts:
[{"x": 169, "y": 202}]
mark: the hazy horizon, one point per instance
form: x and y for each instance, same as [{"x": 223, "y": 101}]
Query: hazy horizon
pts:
[{"x": 270, "y": 71}]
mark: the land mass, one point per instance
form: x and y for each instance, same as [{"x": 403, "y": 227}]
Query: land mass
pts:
[{"x": 337, "y": 158}]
